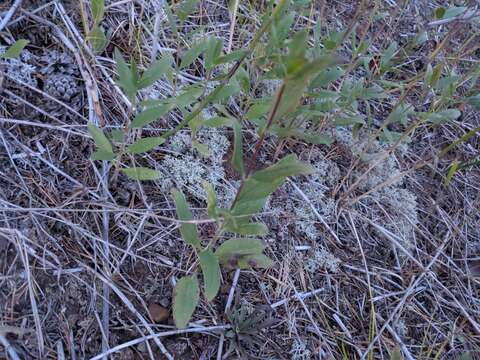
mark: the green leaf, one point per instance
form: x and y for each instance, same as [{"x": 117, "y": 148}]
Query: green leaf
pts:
[
  {"x": 211, "y": 273},
  {"x": 149, "y": 115},
  {"x": 14, "y": 50},
  {"x": 98, "y": 10},
  {"x": 188, "y": 230},
  {"x": 185, "y": 9},
  {"x": 288, "y": 166},
  {"x": 294, "y": 85},
  {"x": 254, "y": 261},
  {"x": 217, "y": 121},
  {"x": 117, "y": 135},
  {"x": 97, "y": 38},
  {"x": 226, "y": 91},
  {"x": 141, "y": 173},
  {"x": 401, "y": 113},
  {"x": 388, "y": 55},
  {"x": 233, "y": 56},
  {"x": 451, "y": 172},
  {"x": 348, "y": 120},
  {"x": 237, "y": 158},
  {"x": 238, "y": 247},
  {"x": 185, "y": 299},
  {"x": 188, "y": 96},
  {"x": 396, "y": 355},
  {"x": 259, "y": 186},
  {"x": 213, "y": 49},
  {"x": 100, "y": 139},
  {"x": 201, "y": 148},
  {"x": 443, "y": 116},
  {"x": 257, "y": 110},
  {"x": 211, "y": 200},
  {"x": 154, "y": 72},
  {"x": 326, "y": 77},
  {"x": 474, "y": 101},
  {"x": 243, "y": 79},
  {"x": 102, "y": 155},
  {"x": 194, "y": 52},
  {"x": 248, "y": 229},
  {"x": 146, "y": 144},
  {"x": 126, "y": 77},
  {"x": 442, "y": 13}
]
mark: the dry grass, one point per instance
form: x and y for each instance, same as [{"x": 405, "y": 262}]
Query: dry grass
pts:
[{"x": 84, "y": 251}]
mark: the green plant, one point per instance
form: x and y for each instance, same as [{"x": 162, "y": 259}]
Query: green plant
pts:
[
  {"x": 14, "y": 50},
  {"x": 304, "y": 103},
  {"x": 95, "y": 34}
]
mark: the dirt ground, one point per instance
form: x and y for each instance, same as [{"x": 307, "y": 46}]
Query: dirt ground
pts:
[{"x": 372, "y": 252}]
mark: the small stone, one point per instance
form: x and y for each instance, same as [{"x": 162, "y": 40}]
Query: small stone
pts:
[{"x": 158, "y": 313}]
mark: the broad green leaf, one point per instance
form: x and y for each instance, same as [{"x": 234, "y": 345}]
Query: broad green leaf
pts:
[
  {"x": 396, "y": 355},
  {"x": 243, "y": 79},
  {"x": 154, "y": 72},
  {"x": 100, "y": 139},
  {"x": 288, "y": 166},
  {"x": 237, "y": 158},
  {"x": 348, "y": 120},
  {"x": 442, "y": 13},
  {"x": 188, "y": 96},
  {"x": 194, "y": 52},
  {"x": 213, "y": 49},
  {"x": 421, "y": 38},
  {"x": 171, "y": 19},
  {"x": 401, "y": 113},
  {"x": 141, "y": 173},
  {"x": 211, "y": 273},
  {"x": 439, "y": 12},
  {"x": 432, "y": 75},
  {"x": 217, "y": 121},
  {"x": 248, "y": 228},
  {"x": 233, "y": 56},
  {"x": 97, "y": 38},
  {"x": 443, "y": 116},
  {"x": 474, "y": 101},
  {"x": 102, "y": 155},
  {"x": 185, "y": 299},
  {"x": 257, "y": 110},
  {"x": 201, "y": 148},
  {"x": 238, "y": 247},
  {"x": 211, "y": 200},
  {"x": 253, "y": 197},
  {"x": 117, "y": 135},
  {"x": 254, "y": 261},
  {"x": 226, "y": 91},
  {"x": 310, "y": 137},
  {"x": 98, "y": 10},
  {"x": 146, "y": 144},
  {"x": 294, "y": 86},
  {"x": 126, "y": 77},
  {"x": 14, "y": 50},
  {"x": 185, "y": 9},
  {"x": 388, "y": 55},
  {"x": 297, "y": 47},
  {"x": 149, "y": 115},
  {"x": 188, "y": 230},
  {"x": 326, "y": 77},
  {"x": 259, "y": 186}
]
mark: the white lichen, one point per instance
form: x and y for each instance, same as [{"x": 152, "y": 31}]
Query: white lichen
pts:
[
  {"x": 322, "y": 259},
  {"x": 299, "y": 350},
  {"x": 185, "y": 168}
]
